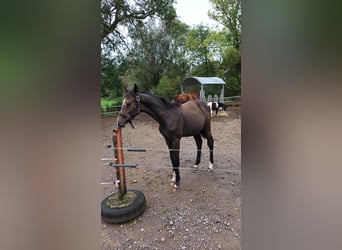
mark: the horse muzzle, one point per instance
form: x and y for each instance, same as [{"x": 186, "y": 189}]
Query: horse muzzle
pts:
[{"x": 121, "y": 123}]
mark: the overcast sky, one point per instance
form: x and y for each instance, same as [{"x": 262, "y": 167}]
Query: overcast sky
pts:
[{"x": 194, "y": 12}]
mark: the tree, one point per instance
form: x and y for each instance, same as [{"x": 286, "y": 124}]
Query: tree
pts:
[
  {"x": 178, "y": 65},
  {"x": 120, "y": 16},
  {"x": 158, "y": 51},
  {"x": 111, "y": 81},
  {"x": 228, "y": 13},
  {"x": 149, "y": 53},
  {"x": 200, "y": 51},
  {"x": 168, "y": 87},
  {"x": 120, "y": 19},
  {"x": 231, "y": 70}
]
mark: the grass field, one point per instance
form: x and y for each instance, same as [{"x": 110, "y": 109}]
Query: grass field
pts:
[{"x": 107, "y": 103}]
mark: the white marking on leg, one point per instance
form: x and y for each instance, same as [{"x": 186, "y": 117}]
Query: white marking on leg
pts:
[
  {"x": 173, "y": 179},
  {"x": 195, "y": 166},
  {"x": 211, "y": 165}
]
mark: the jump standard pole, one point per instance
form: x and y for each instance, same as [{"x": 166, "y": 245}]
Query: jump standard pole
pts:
[
  {"x": 118, "y": 156},
  {"x": 124, "y": 205}
]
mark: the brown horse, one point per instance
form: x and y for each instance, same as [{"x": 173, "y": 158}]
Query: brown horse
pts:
[
  {"x": 175, "y": 121},
  {"x": 183, "y": 98}
]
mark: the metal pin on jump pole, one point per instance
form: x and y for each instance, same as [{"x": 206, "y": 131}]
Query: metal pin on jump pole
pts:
[{"x": 118, "y": 154}]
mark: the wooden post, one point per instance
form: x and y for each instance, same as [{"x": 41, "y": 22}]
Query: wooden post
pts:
[{"x": 118, "y": 154}]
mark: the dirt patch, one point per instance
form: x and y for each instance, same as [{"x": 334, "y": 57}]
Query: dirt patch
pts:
[{"x": 204, "y": 213}]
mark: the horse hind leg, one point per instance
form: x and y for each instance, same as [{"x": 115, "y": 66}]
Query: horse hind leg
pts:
[
  {"x": 210, "y": 143},
  {"x": 199, "y": 141},
  {"x": 173, "y": 179},
  {"x": 206, "y": 133}
]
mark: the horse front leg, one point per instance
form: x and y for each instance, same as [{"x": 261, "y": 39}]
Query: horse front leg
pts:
[
  {"x": 174, "y": 156},
  {"x": 199, "y": 141}
]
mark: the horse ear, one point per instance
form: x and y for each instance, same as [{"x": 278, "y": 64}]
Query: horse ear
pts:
[
  {"x": 125, "y": 89},
  {"x": 135, "y": 88}
]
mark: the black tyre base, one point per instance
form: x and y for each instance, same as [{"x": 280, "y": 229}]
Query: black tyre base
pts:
[{"x": 123, "y": 214}]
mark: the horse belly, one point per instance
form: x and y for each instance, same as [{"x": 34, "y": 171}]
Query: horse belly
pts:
[
  {"x": 193, "y": 126},
  {"x": 191, "y": 131}
]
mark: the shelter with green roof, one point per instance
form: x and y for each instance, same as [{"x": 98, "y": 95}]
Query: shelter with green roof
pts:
[{"x": 195, "y": 82}]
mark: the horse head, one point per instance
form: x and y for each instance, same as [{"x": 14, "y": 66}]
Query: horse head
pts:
[
  {"x": 224, "y": 106},
  {"x": 130, "y": 107}
]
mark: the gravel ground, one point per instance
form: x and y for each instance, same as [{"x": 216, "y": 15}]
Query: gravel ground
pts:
[{"x": 204, "y": 213}]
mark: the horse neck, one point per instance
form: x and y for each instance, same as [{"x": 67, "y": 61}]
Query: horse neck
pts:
[{"x": 154, "y": 107}]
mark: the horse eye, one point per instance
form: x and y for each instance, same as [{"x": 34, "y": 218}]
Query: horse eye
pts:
[{"x": 128, "y": 105}]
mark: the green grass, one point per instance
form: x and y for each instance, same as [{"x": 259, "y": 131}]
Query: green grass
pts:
[{"x": 106, "y": 103}]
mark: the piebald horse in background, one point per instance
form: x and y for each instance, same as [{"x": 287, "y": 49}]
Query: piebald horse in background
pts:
[
  {"x": 175, "y": 121},
  {"x": 183, "y": 98},
  {"x": 215, "y": 106}
]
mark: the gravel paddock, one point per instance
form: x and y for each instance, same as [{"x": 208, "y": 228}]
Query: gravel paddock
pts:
[{"x": 204, "y": 213}]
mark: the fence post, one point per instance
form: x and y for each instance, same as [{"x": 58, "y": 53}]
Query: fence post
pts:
[{"x": 118, "y": 154}]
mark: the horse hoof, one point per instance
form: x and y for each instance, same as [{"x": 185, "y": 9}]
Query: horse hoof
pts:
[
  {"x": 211, "y": 165},
  {"x": 174, "y": 185},
  {"x": 195, "y": 166}
]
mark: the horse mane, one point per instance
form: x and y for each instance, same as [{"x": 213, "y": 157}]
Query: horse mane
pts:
[{"x": 167, "y": 103}]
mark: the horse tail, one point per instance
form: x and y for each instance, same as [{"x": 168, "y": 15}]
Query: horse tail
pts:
[{"x": 204, "y": 108}]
